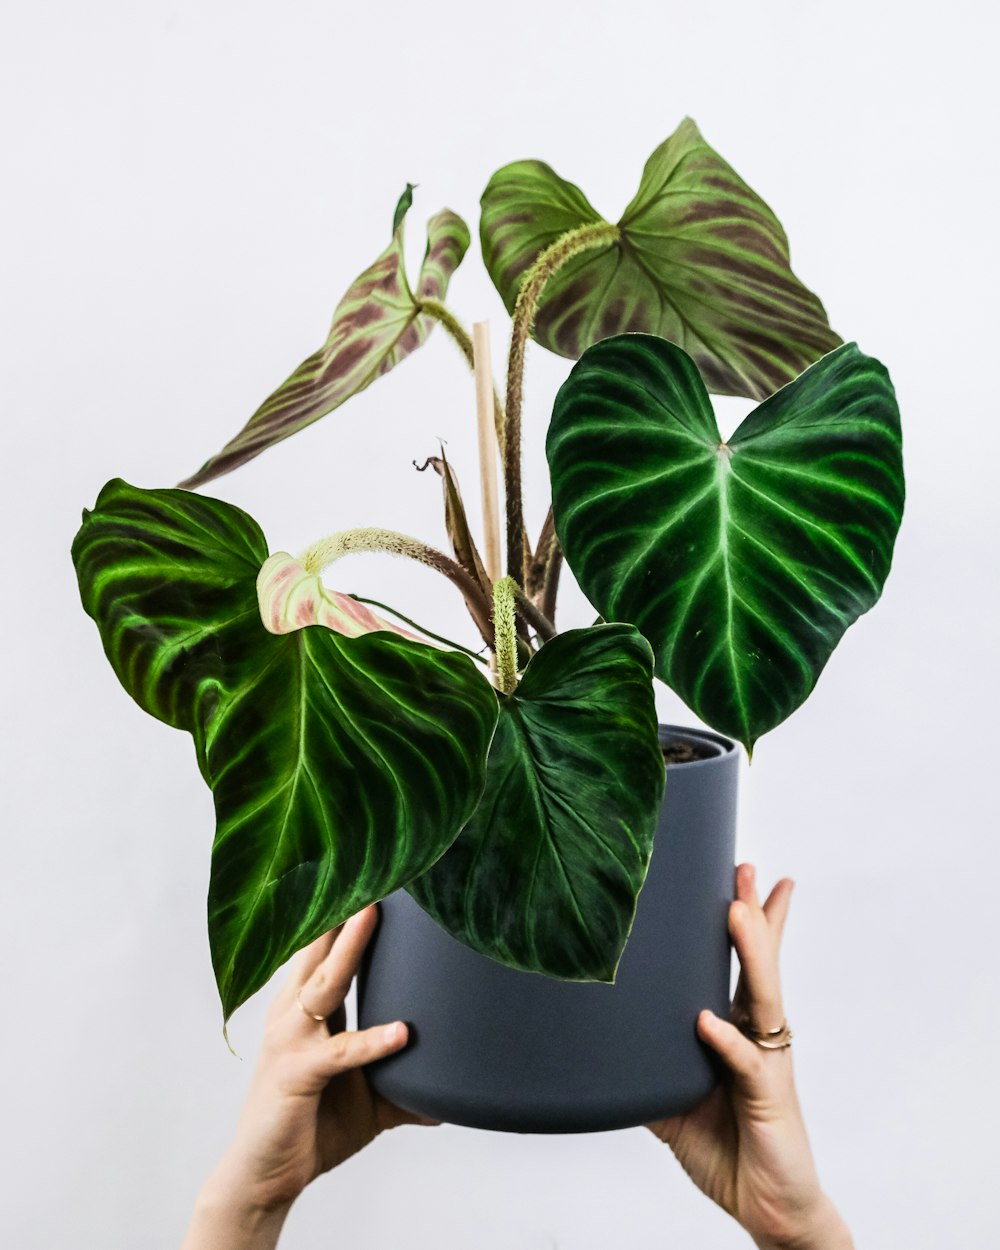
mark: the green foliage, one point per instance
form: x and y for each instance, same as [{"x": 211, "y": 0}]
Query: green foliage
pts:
[
  {"x": 346, "y": 760},
  {"x": 744, "y": 563},
  {"x": 341, "y": 767},
  {"x": 545, "y": 875}
]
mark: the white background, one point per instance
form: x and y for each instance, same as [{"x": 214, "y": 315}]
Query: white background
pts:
[{"x": 189, "y": 187}]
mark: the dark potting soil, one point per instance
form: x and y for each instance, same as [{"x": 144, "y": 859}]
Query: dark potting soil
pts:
[{"x": 683, "y": 753}]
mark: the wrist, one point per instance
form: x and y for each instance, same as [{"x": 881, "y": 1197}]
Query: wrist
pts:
[
  {"x": 821, "y": 1228},
  {"x": 230, "y": 1216}
]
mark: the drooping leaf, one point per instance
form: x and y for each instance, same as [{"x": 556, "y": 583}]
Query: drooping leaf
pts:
[
  {"x": 701, "y": 260},
  {"x": 545, "y": 875},
  {"x": 341, "y": 767},
  {"x": 376, "y": 325},
  {"x": 743, "y": 564},
  {"x": 456, "y": 521}
]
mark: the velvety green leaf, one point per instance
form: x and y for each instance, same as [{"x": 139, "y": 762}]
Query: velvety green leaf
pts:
[
  {"x": 545, "y": 875},
  {"x": 701, "y": 260},
  {"x": 169, "y": 577},
  {"x": 743, "y": 564},
  {"x": 341, "y": 766},
  {"x": 376, "y": 324}
]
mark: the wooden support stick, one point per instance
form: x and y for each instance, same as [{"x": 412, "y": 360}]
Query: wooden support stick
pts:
[{"x": 487, "y": 449}]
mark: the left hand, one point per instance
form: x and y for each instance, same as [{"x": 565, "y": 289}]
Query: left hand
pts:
[
  {"x": 310, "y": 1106},
  {"x": 745, "y": 1145}
]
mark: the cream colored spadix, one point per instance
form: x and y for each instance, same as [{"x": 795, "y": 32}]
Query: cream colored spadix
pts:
[{"x": 291, "y": 598}]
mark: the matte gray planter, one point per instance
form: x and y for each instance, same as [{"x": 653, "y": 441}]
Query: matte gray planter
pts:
[{"x": 499, "y": 1049}]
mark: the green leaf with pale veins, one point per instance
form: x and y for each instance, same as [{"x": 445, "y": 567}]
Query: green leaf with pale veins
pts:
[
  {"x": 545, "y": 875},
  {"x": 701, "y": 260},
  {"x": 341, "y": 767},
  {"x": 743, "y": 564},
  {"x": 376, "y": 325}
]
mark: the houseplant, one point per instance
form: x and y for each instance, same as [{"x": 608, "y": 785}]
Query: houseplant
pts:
[{"x": 350, "y": 756}]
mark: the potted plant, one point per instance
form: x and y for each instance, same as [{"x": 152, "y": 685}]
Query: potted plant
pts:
[{"x": 505, "y": 804}]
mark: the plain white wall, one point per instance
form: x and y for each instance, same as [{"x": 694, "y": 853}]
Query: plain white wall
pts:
[{"x": 189, "y": 187}]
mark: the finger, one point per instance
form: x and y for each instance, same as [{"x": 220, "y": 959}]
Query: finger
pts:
[
  {"x": 345, "y": 1051},
  {"x": 310, "y": 957},
  {"x": 776, "y": 906},
  {"x": 327, "y": 987},
  {"x": 759, "y": 990},
  {"x": 737, "y": 1052},
  {"x": 746, "y": 885}
]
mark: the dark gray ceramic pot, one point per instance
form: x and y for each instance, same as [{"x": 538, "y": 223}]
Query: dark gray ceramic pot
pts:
[{"x": 499, "y": 1049}]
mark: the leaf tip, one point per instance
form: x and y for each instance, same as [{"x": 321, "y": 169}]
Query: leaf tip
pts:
[
  {"x": 225, "y": 1037},
  {"x": 403, "y": 207}
]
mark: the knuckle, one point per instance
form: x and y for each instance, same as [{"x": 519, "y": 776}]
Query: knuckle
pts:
[{"x": 339, "y": 1048}]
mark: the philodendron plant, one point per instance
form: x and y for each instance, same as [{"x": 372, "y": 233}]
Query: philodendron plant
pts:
[{"x": 515, "y": 791}]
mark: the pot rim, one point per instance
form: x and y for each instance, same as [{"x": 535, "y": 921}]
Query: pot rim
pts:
[{"x": 721, "y": 748}]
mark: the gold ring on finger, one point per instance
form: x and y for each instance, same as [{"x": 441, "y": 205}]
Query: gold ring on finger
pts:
[
  {"x": 305, "y": 1010},
  {"x": 767, "y": 1039}
]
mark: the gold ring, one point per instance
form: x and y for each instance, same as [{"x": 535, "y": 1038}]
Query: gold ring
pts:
[
  {"x": 767, "y": 1039},
  {"x": 305, "y": 1010}
]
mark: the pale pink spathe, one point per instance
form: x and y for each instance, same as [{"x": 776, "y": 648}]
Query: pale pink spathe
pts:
[{"x": 291, "y": 598}]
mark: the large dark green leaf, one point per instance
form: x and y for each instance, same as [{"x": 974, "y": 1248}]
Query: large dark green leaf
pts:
[
  {"x": 744, "y": 563},
  {"x": 376, "y": 324},
  {"x": 341, "y": 767},
  {"x": 545, "y": 875},
  {"x": 701, "y": 260}
]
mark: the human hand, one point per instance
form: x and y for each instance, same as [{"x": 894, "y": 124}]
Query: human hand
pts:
[
  {"x": 309, "y": 1106},
  {"x": 745, "y": 1145}
]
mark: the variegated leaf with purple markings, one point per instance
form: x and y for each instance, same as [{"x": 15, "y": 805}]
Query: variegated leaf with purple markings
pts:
[
  {"x": 376, "y": 325},
  {"x": 701, "y": 260}
]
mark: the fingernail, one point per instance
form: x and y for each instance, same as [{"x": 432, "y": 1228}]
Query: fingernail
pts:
[{"x": 392, "y": 1033}]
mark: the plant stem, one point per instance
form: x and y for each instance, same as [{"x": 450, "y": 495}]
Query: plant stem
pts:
[
  {"x": 533, "y": 615},
  {"x": 550, "y": 584},
  {"x": 506, "y": 636},
  {"x": 434, "y": 308},
  {"x": 568, "y": 245},
  {"x": 323, "y": 553}
]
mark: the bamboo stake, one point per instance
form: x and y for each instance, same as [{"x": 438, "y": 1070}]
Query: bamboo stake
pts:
[{"x": 487, "y": 449}]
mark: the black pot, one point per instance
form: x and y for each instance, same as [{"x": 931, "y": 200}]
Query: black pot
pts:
[{"x": 491, "y": 1047}]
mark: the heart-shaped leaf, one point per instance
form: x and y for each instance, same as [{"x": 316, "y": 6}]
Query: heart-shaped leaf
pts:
[
  {"x": 545, "y": 875},
  {"x": 376, "y": 324},
  {"x": 742, "y": 563},
  {"x": 341, "y": 767},
  {"x": 701, "y": 260}
]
